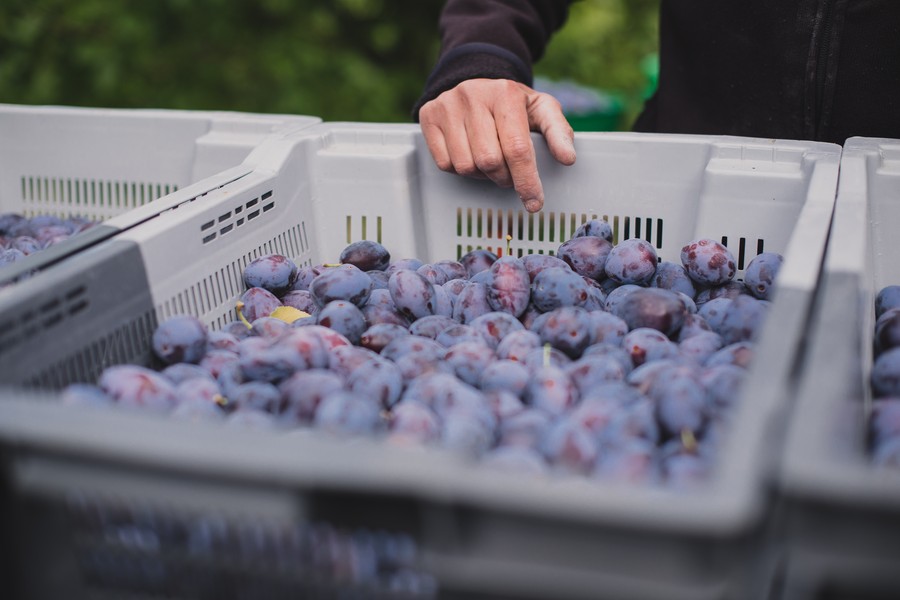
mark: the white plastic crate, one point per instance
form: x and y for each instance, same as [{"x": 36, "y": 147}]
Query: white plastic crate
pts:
[
  {"x": 109, "y": 526},
  {"x": 312, "y": 192},
  {"x": 103, "y": 164},
  {"x": 843, "y": 515},
  {"x": 346, "y": 182}
]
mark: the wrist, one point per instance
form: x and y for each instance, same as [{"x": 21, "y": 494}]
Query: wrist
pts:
[{"x": 472, "y": 61}]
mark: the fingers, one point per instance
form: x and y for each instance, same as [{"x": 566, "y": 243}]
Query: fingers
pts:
[
  {"x": 443, "y": 122},
  {"x": 460, "y": 149},
  {"x": 434, "y": 120},
  {"x": 437, "y": 145},
  {"x": 515, "y": 140},
  {"x": 482, "y": 129},
  {"x": 487, "y": 153},
  {"x": 546, "y": 116}
]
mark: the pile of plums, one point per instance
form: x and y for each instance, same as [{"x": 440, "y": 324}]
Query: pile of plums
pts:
[
  {"x": 21, "y": 236},
  {"x": 884, "y": 419},
  {"x": 599, "y": 360}
]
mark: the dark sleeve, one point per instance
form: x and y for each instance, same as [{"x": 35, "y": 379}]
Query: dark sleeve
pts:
[{"x": 494, "y": 39}]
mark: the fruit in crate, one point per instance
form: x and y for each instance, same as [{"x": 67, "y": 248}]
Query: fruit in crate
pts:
[
  {"x": 271, "y": 272},
  {"x": 600, "y": 361},
  {"x": 21, "y": 236},
  {"x": 596, "y": 228},
  {"x": 631, "y": 261},
  {"x": 708, "y": 262},
  {"x": 886, "y": 299},
  {"x": 366, "y": 255},
  {"x": 884, "y": 417},
  {"x": 884, "y": 432},
  {"x": 341, "y": 282},
  {"x": 586, "y": 255},
  {"x": 761, "y": 274},
  {"x": 10, "y": 256},
  {"x": 181, "y": 339}
]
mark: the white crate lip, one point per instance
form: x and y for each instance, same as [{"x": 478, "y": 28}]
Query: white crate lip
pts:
[
  {"x": 842, "y": 512},
  {"x": 58, "y": 158},
  {"x": 118, "y": 166},
  {"x": 732, "y": 500},
  {"x": 817, "y": 466},
  {"x": 313, "y": 190},
  {"x": 365, "y": 465}
]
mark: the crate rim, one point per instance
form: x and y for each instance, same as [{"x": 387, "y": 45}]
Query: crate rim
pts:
[
  {"x": 809, "y": 470},
  {"x": 738, "y": 503},
  {"x": 29, "y": 425}
]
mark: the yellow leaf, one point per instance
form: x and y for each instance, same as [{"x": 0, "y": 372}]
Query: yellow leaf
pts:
[{"x": 288, "y": 314}]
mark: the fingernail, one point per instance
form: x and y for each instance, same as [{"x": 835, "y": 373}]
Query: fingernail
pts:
[{"x": 533, "y": 205}]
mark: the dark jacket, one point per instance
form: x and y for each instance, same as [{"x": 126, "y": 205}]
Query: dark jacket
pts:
[{"x": 792, "y": 69}]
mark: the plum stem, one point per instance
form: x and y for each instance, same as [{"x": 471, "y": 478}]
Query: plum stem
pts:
[
  {"x": 688, "y": 439},
  {"x": 239, "y": 307}
]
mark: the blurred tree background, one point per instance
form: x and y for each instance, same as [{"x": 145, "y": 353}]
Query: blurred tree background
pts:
[{"x": 354, "y": 60}]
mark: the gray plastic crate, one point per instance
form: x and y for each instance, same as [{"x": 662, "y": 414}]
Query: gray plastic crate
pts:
[
  {"x": 106, "y": 164},
  {"x": 312, "y": 192},
  {"x": 843, "y": 516},
  {"x": 83, "y": 520}
]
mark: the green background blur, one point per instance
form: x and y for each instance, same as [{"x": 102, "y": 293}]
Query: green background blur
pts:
[{"x": 353, "y": 60}]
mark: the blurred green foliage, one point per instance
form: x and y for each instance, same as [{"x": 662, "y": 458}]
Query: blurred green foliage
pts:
[
  {"x": 357, "y": 60},
  {"x": 609, "y": 45}
]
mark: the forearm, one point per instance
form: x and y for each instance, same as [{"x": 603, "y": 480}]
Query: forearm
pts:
[{"x": 494, "y": 39}]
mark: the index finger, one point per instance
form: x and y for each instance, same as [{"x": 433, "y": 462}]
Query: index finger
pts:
[{"x": 515, "y": 141}]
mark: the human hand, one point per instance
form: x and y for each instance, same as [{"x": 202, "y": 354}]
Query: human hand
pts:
[{"x": 481, "y": 128}]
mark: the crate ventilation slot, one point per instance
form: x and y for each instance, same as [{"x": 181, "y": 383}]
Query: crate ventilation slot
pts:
[
  {"x": 215, "y": 294},
  {"x": 128, "y": 344},
  {"x": 366, "y": 228},
  {"x": 742, "y": 254},
  {"x": 540, "y": 233},
  {"x": 240, "y": 215},
  {"x": 102, "y": 198},
  {"x": 46, "y": 315}
]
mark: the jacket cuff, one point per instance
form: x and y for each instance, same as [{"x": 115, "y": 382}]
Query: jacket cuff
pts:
[{"x": 472, "y": 61}]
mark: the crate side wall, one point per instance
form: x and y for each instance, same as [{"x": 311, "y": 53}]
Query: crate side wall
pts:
[
  {"x": 67, "y": 324},
  {"x": 826, "y": 473},
  {"x": 95, "y": 164},
  {"x": 183, "y": 250}
]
